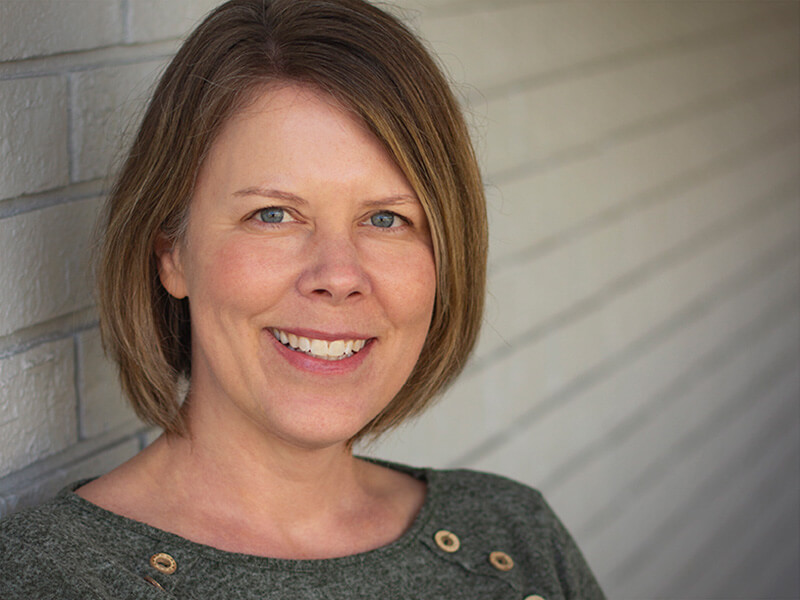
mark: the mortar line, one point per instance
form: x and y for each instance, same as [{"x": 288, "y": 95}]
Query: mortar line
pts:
[
  {"x": 88, "y": 60},
  {"x": 19, "y": 205},
  {"x": 56, "y": 334},
  {"x": 72, "y": 144},
  {"x": 77, "y": 383},
  {"x": 125, "y": 12}
]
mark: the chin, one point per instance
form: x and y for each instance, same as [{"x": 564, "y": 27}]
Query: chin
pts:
[{"x": 318, "y": 428}]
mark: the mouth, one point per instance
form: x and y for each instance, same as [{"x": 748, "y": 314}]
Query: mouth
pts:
[{"x": 326, "y": 350}]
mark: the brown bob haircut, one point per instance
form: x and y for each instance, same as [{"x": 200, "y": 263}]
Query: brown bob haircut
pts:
[{"x": 369, "y": 63}]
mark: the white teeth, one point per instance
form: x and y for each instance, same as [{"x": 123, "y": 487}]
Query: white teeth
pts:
[
  {"x": 335, "y": 350},
  {"x": 318, "y": 347}
]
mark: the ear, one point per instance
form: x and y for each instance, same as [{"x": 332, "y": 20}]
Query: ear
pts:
[{"x": 170, "y": 268}]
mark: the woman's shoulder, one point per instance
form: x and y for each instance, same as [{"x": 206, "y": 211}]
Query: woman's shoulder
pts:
[
  {"x": 494, "y": 501},
  {"x": 466, "y": 490},
  {"x": 34, "y": 550},
  {"x": 475, "y": 483},
  {"x": 494, "y": 516},
  {"x": 36, "y": 529},
  {"x": 59, "y": 549}
]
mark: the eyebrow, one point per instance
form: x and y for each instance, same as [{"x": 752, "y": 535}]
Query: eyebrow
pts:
[
  {"x": 270, "y": 193},
  {"x": 290, "y": 197}
]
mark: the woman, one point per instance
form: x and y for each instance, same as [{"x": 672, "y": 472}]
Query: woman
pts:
[{"x": 299, "y": 233}]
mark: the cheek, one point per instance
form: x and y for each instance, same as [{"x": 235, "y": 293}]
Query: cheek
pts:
[
  {"x": 253, "y": 271},
  {"x": 408, "y": 282}
]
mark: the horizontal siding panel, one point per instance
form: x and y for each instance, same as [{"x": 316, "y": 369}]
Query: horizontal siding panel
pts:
[
  {"x": 566, "y": 199},
  {"x": 538, "y": 38},
  {"x": 663, "y": 527},
  {"x": 523, "y": 296},
  {"x": 760, "y": 523},
  {"x": 532, "y": 125},
  {"x": 585, "y": 442}
]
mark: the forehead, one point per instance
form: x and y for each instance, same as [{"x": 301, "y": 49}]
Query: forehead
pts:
[
  {"x": 291, "y": 108},
  {"x": 296, "y": 135}
]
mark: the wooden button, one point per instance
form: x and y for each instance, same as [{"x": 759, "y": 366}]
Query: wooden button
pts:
[
  {"x": 447, "y": 541},
  {"x": 163, "y": 563},
  {"x": 501, "y": 561},
  {"x": 534, "y": 597}
]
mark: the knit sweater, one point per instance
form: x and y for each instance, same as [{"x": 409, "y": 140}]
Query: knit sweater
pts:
[{"x": 477, "y": 536}]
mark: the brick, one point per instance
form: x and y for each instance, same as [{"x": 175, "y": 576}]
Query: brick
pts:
[
  {"x": 102, "y": 404},
  {"x": 45, "y": 264},
  {"x": 107, "y": 104},
  {"x": 37, "y": 412},
  {"x": 33, "y": 135},
  {"x": 163, "y": 19},
  {"x": 41, "y": 27},
  {"x": 47, "y": 485}
]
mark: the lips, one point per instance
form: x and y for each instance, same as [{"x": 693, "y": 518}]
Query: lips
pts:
[{"x": 332, "y": 350}]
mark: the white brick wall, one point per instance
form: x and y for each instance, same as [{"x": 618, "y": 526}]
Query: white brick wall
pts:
[
  {"x": 41, "y": 27},
  {"x": 37, "y": 415},
  {"x": 45, "y": 268},
  {"x": 72, "y": 77},
  {"x": 33, "y": 135},
  {"x": 105, "y": 111},
  {"x": 639, "y": 362},
  {"x": 151, "y": 20}
]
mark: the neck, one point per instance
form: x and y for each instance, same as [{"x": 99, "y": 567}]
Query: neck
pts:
[
  {"x": 233, "y": 489},
  {"x": 255, "y": 474}
]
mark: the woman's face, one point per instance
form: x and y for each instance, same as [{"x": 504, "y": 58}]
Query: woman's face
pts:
[{"x": 309, "y": 269}]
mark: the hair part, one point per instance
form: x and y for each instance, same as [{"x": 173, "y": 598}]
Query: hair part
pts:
[{"x": 370, "y": 64}]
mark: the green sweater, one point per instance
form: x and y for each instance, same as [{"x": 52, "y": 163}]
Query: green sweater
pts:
[{"x": 477, "y": 536}]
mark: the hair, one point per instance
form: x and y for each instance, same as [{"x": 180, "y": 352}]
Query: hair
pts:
[{"x": 373, "y": 66}]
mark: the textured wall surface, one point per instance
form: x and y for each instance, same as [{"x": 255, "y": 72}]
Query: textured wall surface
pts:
[{"x": 640, "y": 359}]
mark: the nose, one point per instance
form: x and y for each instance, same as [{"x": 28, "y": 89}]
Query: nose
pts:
[{"x": 334, "y": 271}]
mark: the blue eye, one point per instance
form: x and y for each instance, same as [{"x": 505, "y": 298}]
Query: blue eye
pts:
[
  {"x": 273, "y": 214},
  {"x": 383, "y": 219}
]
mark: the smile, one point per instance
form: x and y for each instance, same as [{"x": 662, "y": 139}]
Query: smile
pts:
[{"x": 334, "y": 350}]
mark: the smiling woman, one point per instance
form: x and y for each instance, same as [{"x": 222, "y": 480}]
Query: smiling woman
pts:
[
  {"x": 299, "y": 232},
  {"x": 314, "y": 269}
]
